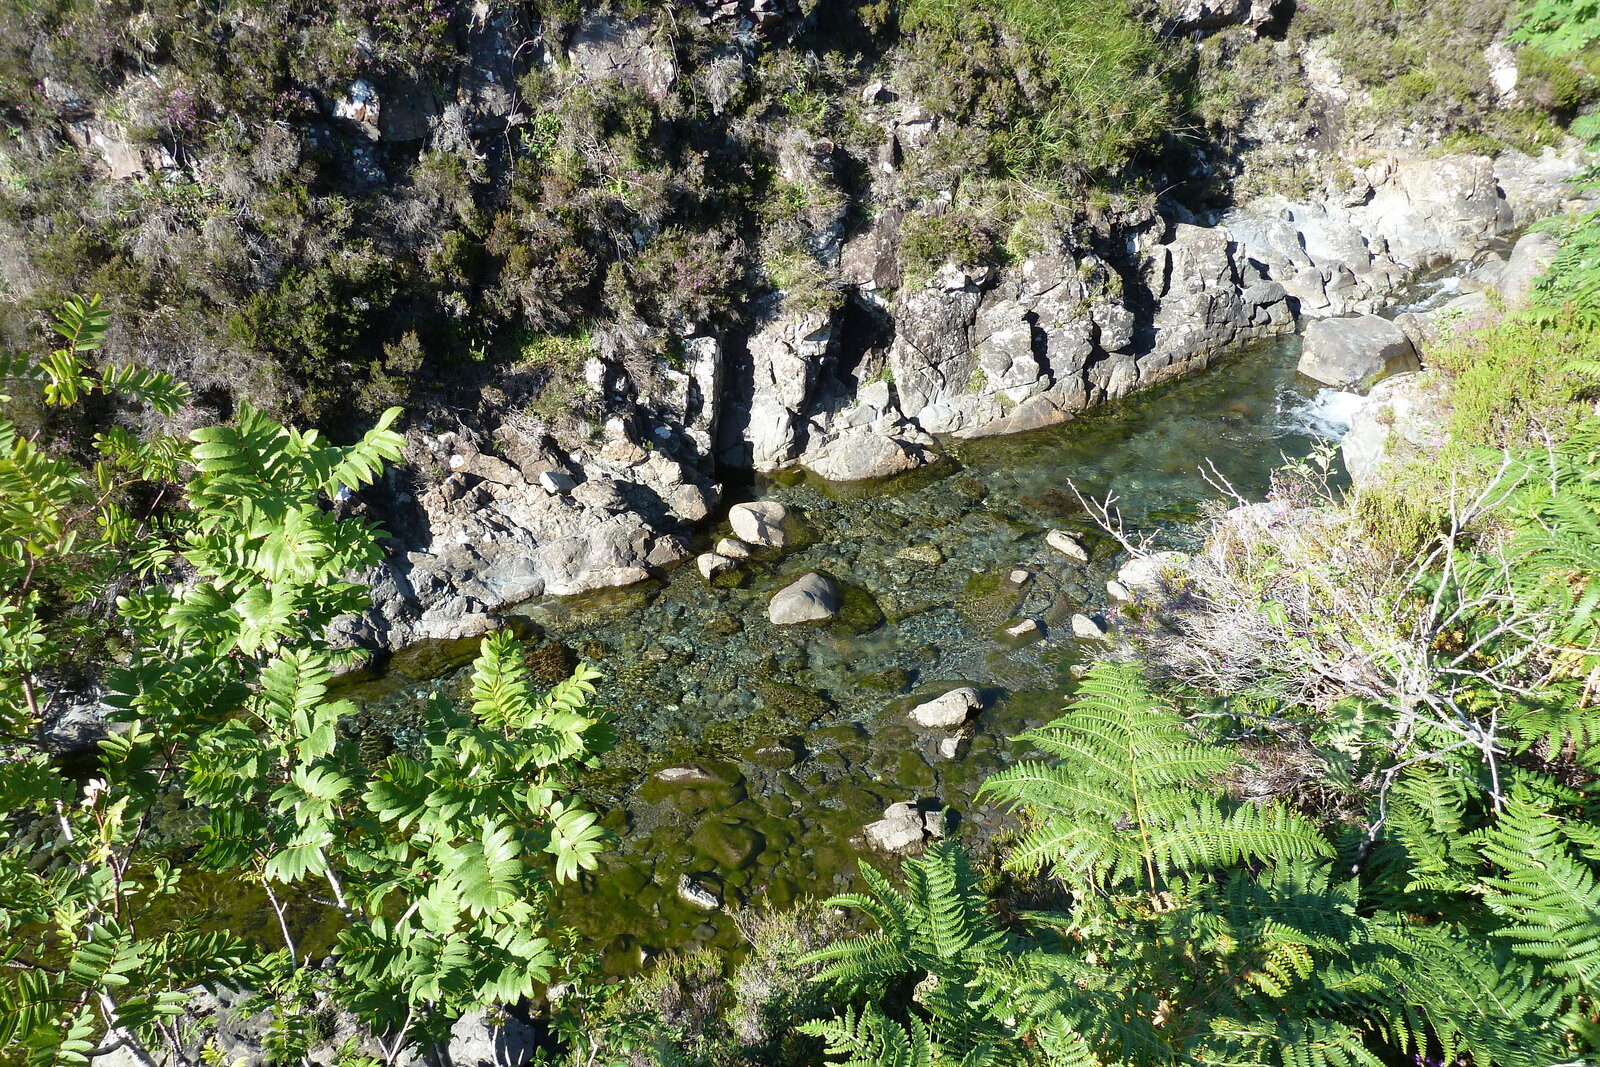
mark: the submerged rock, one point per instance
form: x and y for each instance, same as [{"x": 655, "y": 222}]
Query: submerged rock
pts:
[
  {"x": 811, "y": 598},
  {"x": 760, "y": 523},
  {"x": 1355, "y": 353},
  {"x": 697, "y": 894},
  {"x": 925, "y": 554},
  {"x": 1067, "y": 545},
  {"x": 949, "y": 711}
]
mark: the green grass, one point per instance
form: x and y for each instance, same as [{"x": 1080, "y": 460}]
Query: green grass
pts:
[{"x": 1101, "y": 96}]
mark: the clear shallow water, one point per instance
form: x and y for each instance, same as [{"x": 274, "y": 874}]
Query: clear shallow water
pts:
[{"x": 800, "y": 734}]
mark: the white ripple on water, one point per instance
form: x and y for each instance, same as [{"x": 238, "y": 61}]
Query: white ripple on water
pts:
[
  {"x": 1430, "y": 295},
  {"x": 1326, "y": 414}
]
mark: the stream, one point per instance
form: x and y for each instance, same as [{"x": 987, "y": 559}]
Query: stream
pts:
[{"x": 780, "y": 743}]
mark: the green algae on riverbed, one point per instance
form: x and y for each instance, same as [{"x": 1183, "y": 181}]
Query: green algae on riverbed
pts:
[{"x": 802, "y": 730}]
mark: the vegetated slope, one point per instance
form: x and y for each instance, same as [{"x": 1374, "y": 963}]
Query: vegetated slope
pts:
[{"x": 328, "y": 208}]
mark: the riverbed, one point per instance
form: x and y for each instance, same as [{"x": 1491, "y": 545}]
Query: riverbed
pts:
[{"x": 780, "y": 743}]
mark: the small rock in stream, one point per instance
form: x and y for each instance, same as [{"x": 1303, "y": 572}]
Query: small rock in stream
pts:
[
  {"x": 733, "y": 548},
  {"x": 1025, "y": 628},
  {"x": 904, "y": 829},
  {"x": 1067, "y": 545},
  {"x": 760, "y": 523},
  {"x": 1086, "y": 629},
  {"x": 697, "y": 894},
  {"x": 811, "y": 598},
  {"x": 712, "y": 564},
  {"x": 949, "y": 711}
]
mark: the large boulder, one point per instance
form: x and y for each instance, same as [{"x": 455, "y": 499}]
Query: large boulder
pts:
[
  {"x": 1355, "y": 353},
  {"x": 811, "y": 598}
]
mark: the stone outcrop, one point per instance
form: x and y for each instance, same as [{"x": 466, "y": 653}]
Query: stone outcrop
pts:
[
  {"x": 488, "y": 532},
  {"x": 219, "y": 1021},
  {"x": 1355, "y": 353},
  {"x": 869, "y": 438},
  {"x": 607, "y": 48},
  {"x": 1211, "y": 298},
  {"x": 783, "y": 360},
  {"x": 1530, "y": 257},
  {"x": 867, "y": 390}
]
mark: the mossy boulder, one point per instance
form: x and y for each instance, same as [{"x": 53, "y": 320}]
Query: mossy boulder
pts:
[
  {"x": 794, "y": 702},
  {"x": 674, "y": 778},
  {"x": 778, "y": 753},
  {"x": 889, "y": 680},
  {"x": 859, "y": 613},
  {"x": 912, "y": 773}
]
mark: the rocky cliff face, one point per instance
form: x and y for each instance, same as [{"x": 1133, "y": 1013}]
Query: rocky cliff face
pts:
[{"x": 971, "y": 352}]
